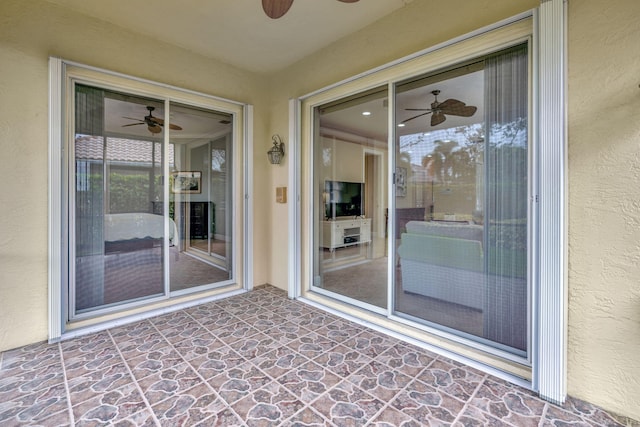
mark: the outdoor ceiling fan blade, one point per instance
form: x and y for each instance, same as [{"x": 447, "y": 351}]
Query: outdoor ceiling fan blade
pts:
[
  {"x": 161, "y": 123},
  {"x": 415, "y": 117},
  {"x": 348, "y": 1},
  {"x": 276, "y": 8},
  {"x": 155, "y": 122},
  {"x": 155, "y": 129},
  {"x": 466, "y": 111},
  {"x": 417, "y": 109},
  {"x": 133, "y": 124},
  {"x": 437, "y": 118},
  {"x": 457, "y": 108},
  {"x": 450, "y": 103}
]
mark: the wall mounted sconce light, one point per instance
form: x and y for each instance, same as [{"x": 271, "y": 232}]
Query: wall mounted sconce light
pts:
[{"x": 276, "y": 153}]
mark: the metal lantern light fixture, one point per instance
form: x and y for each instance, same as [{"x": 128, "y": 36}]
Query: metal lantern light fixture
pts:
[{"x": 276, "y": 153}]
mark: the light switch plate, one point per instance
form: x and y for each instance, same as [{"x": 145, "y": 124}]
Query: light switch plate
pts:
[{"x": 281, "y": 194}]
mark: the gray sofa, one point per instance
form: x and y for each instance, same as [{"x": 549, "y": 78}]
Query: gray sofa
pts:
[
  {"x": 444, "y": 261},
  {"x": 447, "y": 261}
]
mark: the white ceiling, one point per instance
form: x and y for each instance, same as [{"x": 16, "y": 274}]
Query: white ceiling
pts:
[{"x": 238, "y": 32}]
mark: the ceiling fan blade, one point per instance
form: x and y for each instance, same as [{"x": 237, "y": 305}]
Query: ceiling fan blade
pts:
[
  {"x": 276, "y": 8},
  {"x": 418, "y": 109},
  {"x": 466, "y": 111},
  {"x": 437, "y": 118},
  {"x": 348, "y": 1},
  {"x": 155, "y": 129},
  {"x": 415, "y": 117},
  {"x": 133, "y": 124},
  {"x": 450, "y": 103},
  {"x": 161, "y": 123},
  {"x": 457, "y": 108}
]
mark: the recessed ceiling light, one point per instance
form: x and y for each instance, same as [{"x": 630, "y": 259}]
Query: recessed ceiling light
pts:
[
  {"x": 401, "y": 125},
  {"x": 366, "y": 113}
]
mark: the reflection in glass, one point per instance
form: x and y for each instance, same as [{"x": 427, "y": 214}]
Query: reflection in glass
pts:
[
  {"x": 350, "y": 148},
  {"x": 461, "y": 223},
  {"x": 200, "y": 198},
  {"x": 119, "y": 240}
]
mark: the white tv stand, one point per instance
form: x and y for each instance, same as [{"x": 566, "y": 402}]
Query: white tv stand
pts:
[{"x": 345, "y": 232}]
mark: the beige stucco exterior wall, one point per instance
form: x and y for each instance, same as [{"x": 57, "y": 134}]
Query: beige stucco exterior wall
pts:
[
  {"x": 30, "y": 32},
  {"x": 604, "y": 203},
  {"x": 604, "y": 166}
]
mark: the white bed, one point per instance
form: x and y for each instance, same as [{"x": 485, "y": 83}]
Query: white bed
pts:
[{"x": 128, "y": 227}]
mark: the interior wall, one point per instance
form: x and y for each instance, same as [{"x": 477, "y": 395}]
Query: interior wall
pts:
[
  {"x": 346, "y": 161},
  {"x": 30, "y": 32},
  {"x": 604, "y": 166}
]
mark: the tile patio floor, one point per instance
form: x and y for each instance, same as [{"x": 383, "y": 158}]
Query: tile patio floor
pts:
[{"x": 259, "y": 359}]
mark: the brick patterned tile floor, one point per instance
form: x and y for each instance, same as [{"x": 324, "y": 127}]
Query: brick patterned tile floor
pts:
[{"x": 260, "y": 359}]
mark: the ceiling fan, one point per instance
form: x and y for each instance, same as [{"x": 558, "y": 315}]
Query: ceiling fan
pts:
[
  {"x": 451, "y": 107},
  {"x": 154, "y": 124},
  {"x": 277, "y": 8}
]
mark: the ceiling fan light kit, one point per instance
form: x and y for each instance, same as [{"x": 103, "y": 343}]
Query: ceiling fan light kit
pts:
[{"x": 277, "y": 8}]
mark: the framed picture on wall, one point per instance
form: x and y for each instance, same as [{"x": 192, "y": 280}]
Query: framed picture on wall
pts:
[
  {"x": 401, "y": 182},
  {"x": 188, "y": 182}
]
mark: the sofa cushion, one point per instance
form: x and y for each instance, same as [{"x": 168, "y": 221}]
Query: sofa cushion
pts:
[
  {"x": 442, "y": 251},
  {"x": 457, "y": 230}
]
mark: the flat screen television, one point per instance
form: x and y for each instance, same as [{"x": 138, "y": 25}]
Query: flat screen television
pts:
[{"x": 343, "y": 199}]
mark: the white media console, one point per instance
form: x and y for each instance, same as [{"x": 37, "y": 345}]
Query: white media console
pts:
[{"x": 345, "y": 232}]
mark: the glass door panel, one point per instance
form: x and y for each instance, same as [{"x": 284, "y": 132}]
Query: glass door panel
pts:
[
  {"x": 350, "y": 182},
  {"x": 122, "y": 229},
  {"x": 118, "y": 157},
  {"x": 461, "y": 200},
  {"x": 200, "y": 197}
]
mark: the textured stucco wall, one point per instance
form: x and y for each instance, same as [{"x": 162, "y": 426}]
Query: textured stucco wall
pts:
[
  {"x": 31, "y": 31},
  {"x": 604, "y": 204}
]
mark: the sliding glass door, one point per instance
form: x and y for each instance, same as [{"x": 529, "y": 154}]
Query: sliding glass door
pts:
[
  {"x": 461, "y": 200},
  {"x": 150, "y": 200},
  {"x": 442, "y": 205},
  {"x": 350, "y": 186},
  {"x": 199, "y": 199},
  {"x": 118, "y": 239}
]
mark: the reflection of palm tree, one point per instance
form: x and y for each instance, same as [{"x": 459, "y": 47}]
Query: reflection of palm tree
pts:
[{"x": 452, "y": 163}]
